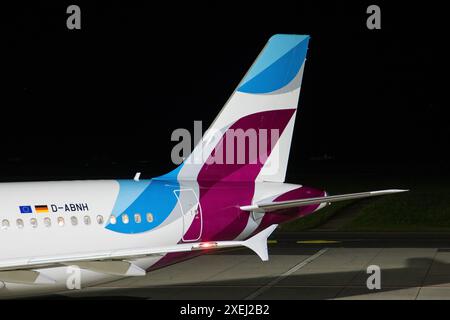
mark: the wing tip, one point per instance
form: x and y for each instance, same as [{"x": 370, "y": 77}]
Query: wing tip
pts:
[
  {"x": 389, "y": 191},
  {"x": 258, "y": 243}
]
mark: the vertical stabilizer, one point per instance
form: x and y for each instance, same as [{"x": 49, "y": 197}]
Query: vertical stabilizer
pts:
[{"x": 262, "y": 107}]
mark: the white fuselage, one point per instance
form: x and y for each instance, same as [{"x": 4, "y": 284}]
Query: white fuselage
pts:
[{"x": 91, "y": 204}]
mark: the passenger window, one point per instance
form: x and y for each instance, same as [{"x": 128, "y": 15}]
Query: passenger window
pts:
[
  {"x": 112, "y": 220},
  {"x": 5, "y": 224},
  {"x": 87, "y": 220},
  {"x": 137, "y": 218},
  {"x": 61, "y": 221},
  {"x": 74, "y": 220},
  {"x": 33, "y": 222},
  {"x": 47, "y": 222},
  {"x": 100, "y": 219},
  {"x": 149, "y": 217},
  {"x": 125, "y": 218},
  {"x": 19, "y": 223}
]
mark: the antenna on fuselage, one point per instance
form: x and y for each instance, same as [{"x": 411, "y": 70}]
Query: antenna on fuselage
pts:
[{"x": 137, "y": 176}]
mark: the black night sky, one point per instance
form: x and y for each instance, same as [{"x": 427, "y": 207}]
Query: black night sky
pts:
[{"x": 101, "y": 102}]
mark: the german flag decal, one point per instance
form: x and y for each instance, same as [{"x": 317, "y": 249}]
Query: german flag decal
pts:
[{"x": 41, "y": 209}]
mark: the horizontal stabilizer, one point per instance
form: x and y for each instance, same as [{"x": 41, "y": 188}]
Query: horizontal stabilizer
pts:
[{"x": 279, "y": 205}]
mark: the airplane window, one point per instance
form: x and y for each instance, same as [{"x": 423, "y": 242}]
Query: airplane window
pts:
[
  {"x": 47, "y": 222},
  {"x": 87, "y": 220},
  {"x": 33, "y": 222},
  {"x": 100, "y": 219},
  {"x": 5, "y": 224},
  {"x": 60, "y": 221},
  {"x": 112, "y": 220},
  {"x": 125, "y": 218},
  {"x": 149, "y": 217},
  {"x": 137, "y": 218},
  {"x": 19, "y": 223},
  {"x": 74, "y": 220}
]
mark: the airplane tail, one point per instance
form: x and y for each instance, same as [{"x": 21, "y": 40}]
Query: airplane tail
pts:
[{"x": 250, "y": 138}]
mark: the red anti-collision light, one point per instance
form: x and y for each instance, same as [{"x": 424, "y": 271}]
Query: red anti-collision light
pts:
[{"x": 207, "y": 245}]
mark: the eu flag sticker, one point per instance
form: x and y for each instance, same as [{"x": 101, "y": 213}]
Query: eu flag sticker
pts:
[{"x": 25, "y": 209}]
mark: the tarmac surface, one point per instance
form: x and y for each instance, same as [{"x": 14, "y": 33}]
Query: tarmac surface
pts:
[{"x": 311, "y": 265}]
